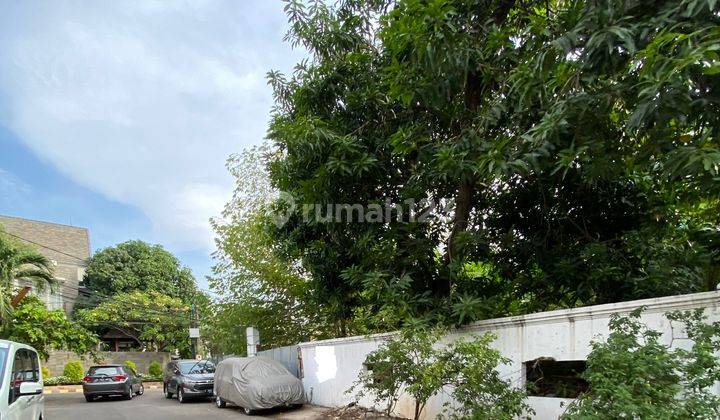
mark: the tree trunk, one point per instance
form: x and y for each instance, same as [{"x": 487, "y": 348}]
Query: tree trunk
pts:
[
  {"x": 466, "y": 190},
  {"x": 463, "y": 205}
]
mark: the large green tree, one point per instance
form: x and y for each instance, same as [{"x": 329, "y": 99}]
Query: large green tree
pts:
[
  {"x": 256, "y": 284},
  {"x": 577, "y": 141},
  {"x": 156, "y": 321},
  {"x": 138, "y": 266}
]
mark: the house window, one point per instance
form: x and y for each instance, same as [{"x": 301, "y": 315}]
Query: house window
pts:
[
  {"x": 546, "y": 377},
  {"x": 55, "y": 301},
  {"x": 52, "y": 300}
]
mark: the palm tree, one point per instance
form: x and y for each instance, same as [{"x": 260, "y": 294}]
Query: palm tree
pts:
[{"x": 20, "y": 264}]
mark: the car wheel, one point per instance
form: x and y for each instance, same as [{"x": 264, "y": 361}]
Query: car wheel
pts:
[
  {"x": 181, "y": 396},
  {"x": 141, "y": 390},
  {"x": 248, "y": 411},
  {"x": 129, "y": 394},
  {"x": 220, "y": 403},
  {"x": 166, "y": 390},
  {"x": 89, "y": 398}
]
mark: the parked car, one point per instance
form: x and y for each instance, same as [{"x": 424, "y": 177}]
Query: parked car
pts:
[
  {"x": 188, "y": 379},
  {"x": 21, "y": 386},
  {"x": 107, "y": 380},
  {"x": 256, "y": 383}
]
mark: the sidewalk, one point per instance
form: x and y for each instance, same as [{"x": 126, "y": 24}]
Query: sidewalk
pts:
[{"x": 66, "y": 389}]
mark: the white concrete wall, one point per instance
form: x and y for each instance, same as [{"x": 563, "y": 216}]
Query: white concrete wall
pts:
[{"x": 330, "y": 367}]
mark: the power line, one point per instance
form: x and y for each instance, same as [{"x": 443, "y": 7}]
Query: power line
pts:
[
  {"x": 65, "y": 253},
  {"x": 99, "y": 297},
  {"x": 45, "y": 246}
]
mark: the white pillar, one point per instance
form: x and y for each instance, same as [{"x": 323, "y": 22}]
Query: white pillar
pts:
[{"x": 253, "y": 341}]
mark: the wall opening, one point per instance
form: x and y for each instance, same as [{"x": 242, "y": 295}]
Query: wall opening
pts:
[
  {"x": 547, "y": 377},
  {"x": 377, "y": 377}
]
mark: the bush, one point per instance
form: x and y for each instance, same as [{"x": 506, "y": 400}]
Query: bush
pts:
[
  {"x": 150, "y": 378},
  {"x": 131, "y": 365},
  {"x": 155, "y": 369},
  {"x": 407, "y": 362},
  {"x": 58, "y": 380},
  {"x": 478, "y": 388},
  {"x": 414, "y": 364},
  {"x": 633, "y": 375},
  {"x": 74, "y": 371},
  {"x": 45, "y": 372}
]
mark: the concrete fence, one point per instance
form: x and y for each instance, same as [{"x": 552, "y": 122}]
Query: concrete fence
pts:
[
  {"x": 328, "y": 368},
  {"x": 58, "y": 359}
]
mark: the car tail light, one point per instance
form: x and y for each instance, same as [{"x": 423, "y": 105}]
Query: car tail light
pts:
[
  {"x": 88, "y": 379},
  {"x": 118, "y": 378}
]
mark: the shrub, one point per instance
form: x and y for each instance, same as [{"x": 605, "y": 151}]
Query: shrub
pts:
[
  {"x": 155, "y": 369},
  {"x": 633, "y": 375},
  {"x": 478, "y": 389},
  {"x": 415, "y": 364},
  {"x": 74, "y": 371},
  {"x": 408, "y": 362},
  {"x": 150, "y": 378},
  {"x": 131, "y": 365},
  {"x": 45, "y": 372},
  {"x": 59, "y": 380}
]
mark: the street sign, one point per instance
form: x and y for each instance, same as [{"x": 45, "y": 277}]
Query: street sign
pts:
[{"x": 194, "y": 332}]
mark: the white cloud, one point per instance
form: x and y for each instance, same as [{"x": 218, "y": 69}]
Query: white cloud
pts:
[
  {"x": 12, "y": 186},
  {"x": 143, "y": 101}
]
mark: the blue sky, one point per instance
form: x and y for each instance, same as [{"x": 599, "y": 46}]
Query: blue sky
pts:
[{"x": 119, "y": 116}]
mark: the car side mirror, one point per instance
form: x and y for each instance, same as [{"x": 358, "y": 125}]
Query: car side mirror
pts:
[{"x": 30, "y": 388}]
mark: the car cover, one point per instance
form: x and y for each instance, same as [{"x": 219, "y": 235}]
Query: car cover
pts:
[{"x": 257, "y": 383}]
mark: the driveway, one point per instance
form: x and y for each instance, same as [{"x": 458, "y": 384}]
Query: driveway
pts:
[{"x": 154, "y": 406}]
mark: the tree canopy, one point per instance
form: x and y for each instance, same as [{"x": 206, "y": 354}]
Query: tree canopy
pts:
[
  {"x": 156, "y": 321},
  {"x": 577, "y": 142},
  {"x": 138, "y": 266},
  {"x": 257, "y": 285}
]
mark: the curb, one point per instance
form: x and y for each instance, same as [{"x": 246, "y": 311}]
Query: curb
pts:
[{"x": 70, "y": 389}]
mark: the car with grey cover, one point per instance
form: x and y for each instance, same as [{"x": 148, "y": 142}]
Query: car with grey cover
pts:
[{"x": 256, "y": 383}]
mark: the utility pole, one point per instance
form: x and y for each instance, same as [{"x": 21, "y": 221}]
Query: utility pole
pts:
[
  {"x": 253, "y": 341},
  {"x": 194, "y": 333}
]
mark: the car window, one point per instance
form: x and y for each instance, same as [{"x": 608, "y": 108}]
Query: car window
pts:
[
  {"x": 3, "y": 357},
  {"x": 34, "y": 374},
  {"x": 25, "y": 368},
  {"x": 191, "y": 367},
  {"x": 208, "y": 367},
  {"x": 104, "y": 371}
]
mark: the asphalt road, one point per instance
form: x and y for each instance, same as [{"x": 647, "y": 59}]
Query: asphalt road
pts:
[{"x": 154, "y": 406}]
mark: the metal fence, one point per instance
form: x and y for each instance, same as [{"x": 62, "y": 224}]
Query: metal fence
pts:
[{"x": 287, "y": 355}]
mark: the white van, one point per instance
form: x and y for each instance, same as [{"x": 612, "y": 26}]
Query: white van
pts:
[{"x": 21, "y": 383}]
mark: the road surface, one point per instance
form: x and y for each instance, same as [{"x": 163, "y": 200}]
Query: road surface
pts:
[{"x": 154, "y": 406}]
